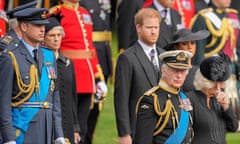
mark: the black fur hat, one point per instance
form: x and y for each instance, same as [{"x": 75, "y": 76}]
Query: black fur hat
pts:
[{"x": 216, "y": 68}]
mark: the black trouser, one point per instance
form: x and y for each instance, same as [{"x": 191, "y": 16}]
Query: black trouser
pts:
[
  {"x": 83, "y": 110},
  {"x": 92, "y": 122}
]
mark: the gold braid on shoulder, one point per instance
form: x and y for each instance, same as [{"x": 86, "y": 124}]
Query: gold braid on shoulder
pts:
[
  {"x": 169, "y": 111},
  {"x": 27, "y": 89},
  {"x": 223, "y": 32}
]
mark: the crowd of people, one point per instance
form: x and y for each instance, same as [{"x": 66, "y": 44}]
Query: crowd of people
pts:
[{"x": 176, "y": 80}]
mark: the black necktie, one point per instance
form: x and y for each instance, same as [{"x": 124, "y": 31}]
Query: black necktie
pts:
[
  {"x": 152, "y": 54},
  {"x": 152, "y": 58},
  {"x": 164, "y": 15},
  {"x": 35, "y": 56}
]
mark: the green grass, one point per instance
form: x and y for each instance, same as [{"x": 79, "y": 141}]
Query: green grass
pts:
[
  {"x": 106, "y": 132},
  {"x": 232, "y": 138}
]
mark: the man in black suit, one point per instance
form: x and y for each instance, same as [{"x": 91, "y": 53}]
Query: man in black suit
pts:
[
  {"x": 136, "y": 72},
  {"x": 171, "y": 21}
]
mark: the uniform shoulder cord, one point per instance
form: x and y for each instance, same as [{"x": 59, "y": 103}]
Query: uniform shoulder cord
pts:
[
  {"x": 168, "y": 111},
  {"x": 27, "y": 89},
  {"x": 225, "y": 30}
]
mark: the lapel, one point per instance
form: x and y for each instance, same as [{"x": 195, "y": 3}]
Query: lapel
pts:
[
  {"x": 148, "y": 68},
  {"x": 159, "y": 51},
  {"x": 29, "y": 58},
  {"x": 23, "y": 50}
]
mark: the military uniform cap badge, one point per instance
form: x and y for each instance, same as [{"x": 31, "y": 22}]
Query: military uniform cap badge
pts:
[{"x": 178, "y": 59}]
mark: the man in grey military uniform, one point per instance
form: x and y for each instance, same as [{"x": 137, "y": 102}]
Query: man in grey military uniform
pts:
[
  {"x": 11, "y": 38},
  {"x": 30, "y": 106}
]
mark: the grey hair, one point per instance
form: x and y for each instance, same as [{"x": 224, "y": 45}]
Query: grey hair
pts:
[
  {"x": 60, "y": 28},
  {"x": 166, "y": 66},
  {"x": 200, "y": 82},
  {"x": 13, "y": 23}
]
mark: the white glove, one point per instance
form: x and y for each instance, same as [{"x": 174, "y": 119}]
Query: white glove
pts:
[
  {"x": 101, "y": 88},
  {"x": 10, "y": 142},
  {"x": 60, "y": 140}
]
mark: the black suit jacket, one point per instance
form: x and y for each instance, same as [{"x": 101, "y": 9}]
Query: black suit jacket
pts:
[
  {"x": 134, "y": 75},
  {"x": 166, "y": 31},
  {"x": 68, "y": 97}
]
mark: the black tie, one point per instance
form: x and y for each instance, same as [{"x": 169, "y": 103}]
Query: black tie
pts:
[
  {"x": 153, "y": 60},
  {"x": 152, "y": 54},
  {"x": 35, "y": 56},
  {"x": 164, "y": 14}
]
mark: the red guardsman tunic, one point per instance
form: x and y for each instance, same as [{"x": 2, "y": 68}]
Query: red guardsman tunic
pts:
[
  {"x": 77, "y": 24},
  {"x": 232, "y": 42},
  {"x": 185, "y": 9},
  {"x": 2, "y": 18}
]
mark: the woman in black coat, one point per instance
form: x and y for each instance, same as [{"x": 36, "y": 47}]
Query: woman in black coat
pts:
[
  {"x": 213, "y": 115},
  {"x": 66, "y": 81}
]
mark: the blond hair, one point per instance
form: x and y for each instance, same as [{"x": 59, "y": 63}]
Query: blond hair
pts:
[
  {"x": 200, "y": 82},
  {"x": 146, "y": 13}
]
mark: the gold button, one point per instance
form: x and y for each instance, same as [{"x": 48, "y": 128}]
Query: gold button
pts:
[{"x": 45, "y": 105}]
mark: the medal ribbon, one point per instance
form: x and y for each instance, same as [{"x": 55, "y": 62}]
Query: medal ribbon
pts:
[
  {"x": 179, "y": 134},
  {"x": 22, "y": 118}
]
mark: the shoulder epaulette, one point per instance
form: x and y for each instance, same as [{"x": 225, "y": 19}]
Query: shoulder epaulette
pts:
[
  {"x": 231, "y": 10},
  {"x": 7, "y": 39},
  {"x": 203, "y": 11},
  {"x": 152, "y": 90},
  {"x": 55, "y": 8}
]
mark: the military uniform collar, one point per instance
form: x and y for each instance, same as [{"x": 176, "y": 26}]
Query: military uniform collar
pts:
[
  {"x": 70, "y": 5},
  {"x": 163, "y": 85}
]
